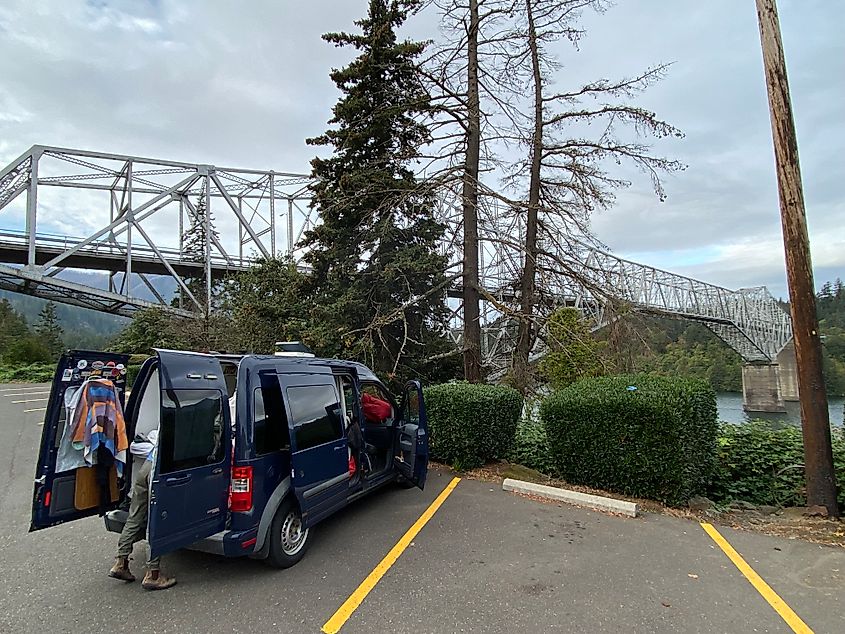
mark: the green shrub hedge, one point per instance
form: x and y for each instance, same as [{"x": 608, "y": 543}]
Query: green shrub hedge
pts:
[
  {"x": 30, "y": 373},
  {"x": 132, "y": 374},
  {"x": 763, "y": 465},
  {"x": 640, "y": 435},
  {"x": 531, "y": 447},
  {"x": 470, "y": 424}
]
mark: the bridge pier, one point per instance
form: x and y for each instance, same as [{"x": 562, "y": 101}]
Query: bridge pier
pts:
[
  {"x": 761, "y": 389},
  {"x": 788, "y": 372}
]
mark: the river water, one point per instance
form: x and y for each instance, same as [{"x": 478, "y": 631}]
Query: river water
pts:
[{"x": 730, "y": 410}]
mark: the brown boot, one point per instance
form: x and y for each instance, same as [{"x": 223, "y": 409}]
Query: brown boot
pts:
[
  {"x": 154, "y": 580},
  {"x": 120, "y": 570}
]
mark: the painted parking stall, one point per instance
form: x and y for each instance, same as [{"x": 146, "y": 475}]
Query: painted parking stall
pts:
[{"x": 484, "y": 561}]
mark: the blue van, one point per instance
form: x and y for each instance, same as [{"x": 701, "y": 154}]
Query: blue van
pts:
[{"x": 298, "y": 449}]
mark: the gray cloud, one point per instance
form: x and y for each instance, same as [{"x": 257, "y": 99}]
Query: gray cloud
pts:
[{"x": 215, "y": 82}]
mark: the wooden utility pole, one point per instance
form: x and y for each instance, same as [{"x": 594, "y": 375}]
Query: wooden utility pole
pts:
[{"x": 818, "y": 455}]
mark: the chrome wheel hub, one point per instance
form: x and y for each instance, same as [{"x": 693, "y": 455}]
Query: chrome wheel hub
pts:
[{"x": 293, "y": 534}]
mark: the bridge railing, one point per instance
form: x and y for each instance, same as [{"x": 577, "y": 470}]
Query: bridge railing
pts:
[{"x": 19, "y": 240}]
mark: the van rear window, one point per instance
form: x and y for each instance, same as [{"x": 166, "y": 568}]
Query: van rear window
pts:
[
  {"x": 191, "y": 429},
  {"x": 316, "y": 415}
]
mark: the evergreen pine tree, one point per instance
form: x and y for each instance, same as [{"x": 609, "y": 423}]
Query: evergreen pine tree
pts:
[
  {"x": 49, "y": 331},
  {"x": 195, "y": 241},
  {"x": 12, "y": 325},
  {"x": 378, "y": 282}
]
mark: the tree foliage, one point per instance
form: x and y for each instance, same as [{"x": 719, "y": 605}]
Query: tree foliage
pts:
[
  {"x": 573, "y": 351},
  {"x": 18, "y": 345},
  {"x": 831, "y": 311},
  {"x": 151, "y": 328},
  {"x": 49, "y": 330},
  {"x": 12, "y": 326},
  {"x": 377, "y": 285},
  {"x": 268, "y": 304}
]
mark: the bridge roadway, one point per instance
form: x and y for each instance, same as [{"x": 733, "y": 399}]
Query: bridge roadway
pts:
[
  {"x": 111, "y": 257},
  {"x": 108, "y": 256}
]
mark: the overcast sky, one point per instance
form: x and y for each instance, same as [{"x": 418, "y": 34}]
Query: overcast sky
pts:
[{"x": 244, "y": 83}]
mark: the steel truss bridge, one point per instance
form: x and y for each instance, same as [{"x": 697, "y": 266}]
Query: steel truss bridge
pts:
[{"x": 130, "y": 214}]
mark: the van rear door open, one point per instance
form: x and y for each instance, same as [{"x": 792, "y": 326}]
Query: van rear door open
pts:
[
  {"x": 190, "y": 483},
  {"x": 72, "y": 494}
]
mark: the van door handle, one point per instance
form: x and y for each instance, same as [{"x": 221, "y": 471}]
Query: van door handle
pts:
[
  {"x": 177, "y": 480},
  {"x": 339, "y": 448},
  {"x": 217, "y": 470}
]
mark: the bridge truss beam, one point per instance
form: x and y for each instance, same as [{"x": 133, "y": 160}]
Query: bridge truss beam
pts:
[{"x": 131, "y": 215}]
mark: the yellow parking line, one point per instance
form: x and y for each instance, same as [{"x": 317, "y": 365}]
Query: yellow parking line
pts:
[
  {"x": 343, "y": 613},
  {"x": 32, "y": 400},
  {"x": 779, "y": 605}
]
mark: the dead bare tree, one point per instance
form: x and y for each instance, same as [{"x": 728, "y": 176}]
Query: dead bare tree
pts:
[
  {"x": 460, "y": 76},
  {"x": 566, "y": 169}
]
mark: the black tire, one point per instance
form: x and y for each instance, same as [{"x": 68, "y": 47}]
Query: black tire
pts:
[{"x": 286, "y": 551}]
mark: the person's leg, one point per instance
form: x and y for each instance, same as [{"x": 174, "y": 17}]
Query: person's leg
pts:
[
  {"x": 136, "y": 524},
  {"x": 154, "y": 579}
]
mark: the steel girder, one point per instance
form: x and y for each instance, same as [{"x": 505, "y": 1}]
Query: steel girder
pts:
[
  {"x": 133, "y": 211},
  {"x": 573, "y": 272},
  {"x": 130, "y": 214}
]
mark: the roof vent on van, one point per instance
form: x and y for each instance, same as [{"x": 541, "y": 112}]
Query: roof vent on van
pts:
[{"x": 292, "y": 349}]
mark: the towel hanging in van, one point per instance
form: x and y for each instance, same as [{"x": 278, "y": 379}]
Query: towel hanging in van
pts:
[{"x": 94, "y": 420}]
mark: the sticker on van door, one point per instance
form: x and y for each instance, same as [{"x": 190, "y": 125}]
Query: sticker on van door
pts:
[{"x": 67, "y": 375}]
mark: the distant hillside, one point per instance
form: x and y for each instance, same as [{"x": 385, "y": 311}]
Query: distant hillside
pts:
[
  {"x": 665, "y": 346},
  {"x": 83, "y": 328}
]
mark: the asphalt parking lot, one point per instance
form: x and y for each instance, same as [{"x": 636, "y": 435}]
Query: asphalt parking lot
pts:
[{"x": 486, "y": 561}]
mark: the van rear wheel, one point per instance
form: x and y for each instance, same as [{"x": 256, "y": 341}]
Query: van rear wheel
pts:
[{"x": 288, "y": 536}]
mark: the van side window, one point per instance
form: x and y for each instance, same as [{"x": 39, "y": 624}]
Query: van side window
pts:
[
  {"x": 316, "y": 415},
  {"x": 376, "y": 404},
  {"x": 270, "y": 422},
  {"x": 191, "y": 429},
  {"x": 412, "y": 407}
]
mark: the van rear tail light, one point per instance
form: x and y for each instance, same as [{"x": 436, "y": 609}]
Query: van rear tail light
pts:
[{"x": 241, "y": 498}]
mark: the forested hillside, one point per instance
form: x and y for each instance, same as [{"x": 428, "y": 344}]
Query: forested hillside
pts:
[
  {"x": 83, "y": 328},
  {"x": 677, "y": 348}
]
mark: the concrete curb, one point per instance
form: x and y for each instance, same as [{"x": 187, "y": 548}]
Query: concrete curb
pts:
[{"x": 572, "y": 497}]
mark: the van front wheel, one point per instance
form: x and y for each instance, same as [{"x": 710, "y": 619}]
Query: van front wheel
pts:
[{"x": 288, "y": 536}]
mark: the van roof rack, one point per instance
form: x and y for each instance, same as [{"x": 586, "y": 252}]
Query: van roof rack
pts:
[{"x": 292, "y": 349}]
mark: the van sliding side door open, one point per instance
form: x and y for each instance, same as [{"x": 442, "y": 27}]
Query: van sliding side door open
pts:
[
  {"x": 320, "y": 459},
  {"x": 411, "y": 454}
]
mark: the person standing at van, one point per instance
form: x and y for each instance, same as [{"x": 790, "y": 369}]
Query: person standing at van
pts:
[{"x": 135, "y": 528}]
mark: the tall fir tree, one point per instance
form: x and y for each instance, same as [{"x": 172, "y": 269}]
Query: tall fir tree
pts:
[
  {"x": 378, "y": 282},
  {"x": 206, "y": 332},
  {"x": 195, "y": 247},
  {"x": 49, "y": 331}
]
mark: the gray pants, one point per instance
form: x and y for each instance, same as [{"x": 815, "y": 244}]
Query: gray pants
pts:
[{"x": 135, "y": 528}]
